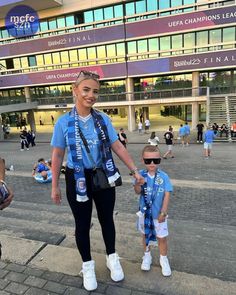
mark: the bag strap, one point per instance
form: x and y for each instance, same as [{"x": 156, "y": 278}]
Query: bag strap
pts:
[{"x": 87, "y": 148}]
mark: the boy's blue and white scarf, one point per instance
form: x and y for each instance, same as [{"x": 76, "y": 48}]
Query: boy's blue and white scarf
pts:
[
  {"x": 149, "y": 227},
  {"x": 74, "y": 141}
]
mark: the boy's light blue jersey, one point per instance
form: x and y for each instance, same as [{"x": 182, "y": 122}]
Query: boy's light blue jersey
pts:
[
  {"x": 60, "y": 138},
  {"x": 209, "y": 136},
  {"x": 164, "y": 185},
  {"x": 181, "y": 131},
  {"x": 187, "y": 129}
]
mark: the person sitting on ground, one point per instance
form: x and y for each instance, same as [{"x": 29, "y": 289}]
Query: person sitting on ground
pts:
[
  {"x": 42, "y": 171},
  {"x": 153, "y": 140}
]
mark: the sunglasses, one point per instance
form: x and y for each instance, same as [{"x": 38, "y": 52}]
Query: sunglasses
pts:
[
  {"x": 88, "y": 74},
  {"x": 154, "y": 160}
]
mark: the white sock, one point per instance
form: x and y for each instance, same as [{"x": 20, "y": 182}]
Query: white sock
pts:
[{"x": 161, "y": 257}]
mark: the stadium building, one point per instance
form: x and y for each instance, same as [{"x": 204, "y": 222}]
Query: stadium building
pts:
[{"x": 154, "y": 57}]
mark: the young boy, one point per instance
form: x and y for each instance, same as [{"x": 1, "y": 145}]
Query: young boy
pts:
[
  {"x": 209, "y": 136},
  {"x": 153, "y": 206}
]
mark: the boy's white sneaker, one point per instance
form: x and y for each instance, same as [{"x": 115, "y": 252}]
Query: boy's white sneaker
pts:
[
  {"x": 113, "y": 264},
  {"x": 147, "y": 261},
  {"x": 89, "y": 277},
  {"x": 165, "y": 266}
]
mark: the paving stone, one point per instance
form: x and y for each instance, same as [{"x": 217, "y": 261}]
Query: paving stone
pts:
[
  {"x": 3, "y": 273},
  {"x": 16, "y": 277},
  {"x": 15, "y": 267},
  {"x": 16, "y": 288},
  {"x": 36, "y": 291},
  {"x": 72, "y": 281},
  {"x": 112, "y": 290},
  {"x": 76, "y": 291},
  {"x": 52, "y": 276},
  {"x": 35, "y": 282},
  {"x": 34, "y": 272},
  {"x": 3, "y": 283},
  {"x": 2, "y": 264},
  {"x": 55, "y": 287},
  {"x": 4, "y": 293}
]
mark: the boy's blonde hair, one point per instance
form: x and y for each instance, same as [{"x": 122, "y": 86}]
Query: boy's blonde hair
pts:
[{"x": 150, "y": 149}]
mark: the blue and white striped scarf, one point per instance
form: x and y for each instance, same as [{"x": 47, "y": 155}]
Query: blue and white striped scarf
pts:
[
  {"x": 74, "y": 141},
  {"x": 149, "y": 227}
]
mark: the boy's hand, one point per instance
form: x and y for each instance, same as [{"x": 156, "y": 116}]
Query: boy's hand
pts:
[{"x": 161, "y": 218}]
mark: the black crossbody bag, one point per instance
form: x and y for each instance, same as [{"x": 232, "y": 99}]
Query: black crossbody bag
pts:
[{"x": 99, "y": 179}]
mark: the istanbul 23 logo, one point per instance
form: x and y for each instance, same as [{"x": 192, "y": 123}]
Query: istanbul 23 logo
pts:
[{"x": 22, "y": 21}]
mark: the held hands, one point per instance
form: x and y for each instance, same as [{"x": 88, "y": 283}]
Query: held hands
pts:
[
  {"x": 161, "y": 218},
  {"x": 8, "y": 200},
  {"x": 56, "y": 195},
  {"x": 139, "y": 179}
]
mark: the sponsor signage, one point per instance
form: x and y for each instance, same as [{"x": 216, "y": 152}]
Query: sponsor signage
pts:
[
  {"x": 210, "y": 60},
  {"x": 161, "y": 25},
  {"x": 63, "y": 41},
  {"x": 69, "y": 75},
  {"x": 182, "y": 22}
]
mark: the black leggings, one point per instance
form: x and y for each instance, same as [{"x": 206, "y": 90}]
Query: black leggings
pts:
[{"x": 82, "y": 211}]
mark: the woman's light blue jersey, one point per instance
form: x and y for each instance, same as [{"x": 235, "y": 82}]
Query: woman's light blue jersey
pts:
[{"x": 60, "y": 138}]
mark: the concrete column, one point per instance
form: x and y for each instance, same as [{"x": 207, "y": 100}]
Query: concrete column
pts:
[
  {"x": 27, "y": 94},
  {"x": 195, "y": 114},
  {"x": 131, "y": 118},
  {"x": 129, "y": 85},
  {"x": 31, "y": 120},
  {"x": 195, "y": 84},
  {"x": 1, "y": 131}
]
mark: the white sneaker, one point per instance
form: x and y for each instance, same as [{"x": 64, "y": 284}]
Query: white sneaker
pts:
[
  {"x": 165, "y": 267},
  {"x": 89, "y": 277},
  {"x": 147, "y": 261},
  {"x": 113, "y": 264},
  {"x": 197, "y": 141}
]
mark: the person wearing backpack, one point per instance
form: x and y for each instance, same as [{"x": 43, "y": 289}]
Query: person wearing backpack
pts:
[{"x": 168, "y": 136}]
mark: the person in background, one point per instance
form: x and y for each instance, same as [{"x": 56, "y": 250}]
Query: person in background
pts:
[
  {"x": 122, "y": 137},
  {"x": 233, "y": 130},
  {"x": 200, "y": 128},
  {"x": 52, "y": 119},
  {"x": 153, "y": 208},
  {"x": 24, "y": 141},
  {"x": 182, "y": 134},
  {"x": 42, "y": 171},
  {"x": 96, "y": 127},
  {"x": 224, "y": 129},
  {"x": 187, "y": 134},
  {"x": 140, "y": 127},
  {"x": 6, "y": 193},
  {"x": 154, "y": 140},
  {"x": 209, "y": 136},
  {"x": 147, "y": 125},
  {"x": 168, "y": 136}
]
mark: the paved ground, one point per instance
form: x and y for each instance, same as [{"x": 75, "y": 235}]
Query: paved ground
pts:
[{"x": 202, "y": 219}]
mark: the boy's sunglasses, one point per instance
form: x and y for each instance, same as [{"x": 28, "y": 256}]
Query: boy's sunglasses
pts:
[
  {"x": 154, "y": 160},
  {"x": 88, "y": 74}
]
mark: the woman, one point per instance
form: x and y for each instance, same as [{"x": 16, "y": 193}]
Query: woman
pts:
[
  {"x": 97, "y": 129},
  {"x": 153, "y": 140}
]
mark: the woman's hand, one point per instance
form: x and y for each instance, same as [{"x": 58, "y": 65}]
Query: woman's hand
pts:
[
  {"x": 56, "y": 195},
  {"x": 8, "y": 200},
  {"x": 161, "y": 218}
]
